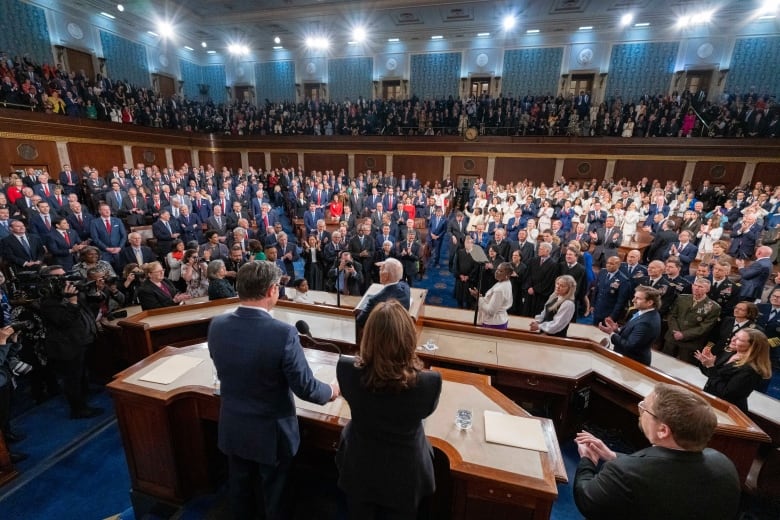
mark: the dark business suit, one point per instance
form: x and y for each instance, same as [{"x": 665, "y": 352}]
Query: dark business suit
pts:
[
  {"x": 730, "y": 382},
  {"x": 396, "y": 291},
  {"x": 655, "y": 483},
  {"x": 743, "y": 243},
  {"x": 60, "y": 249},
  {"x": 16, "y": 254},
  {"x": 164, "y": 235},
  {"x": 635, "y": 338},
  {"x": 384, "y": 458},
  {"x": 102, "y": 240},
  {"x": 258, "y": 425},
  {"x": 607, "y": 244},
  {"x": 127, "y": 256},
  {"x": 754, "y": 276},
  {"x": 611, "y": 296},
  {"x": 152, "y": 297},
  {"x": 83, "y": 227}
]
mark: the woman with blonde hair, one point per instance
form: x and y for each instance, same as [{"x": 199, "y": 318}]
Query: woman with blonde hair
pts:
[
  {"x": 559, "y": 309},
  {"x": 739, "y": 369},
  {"x": 389, "y": 395}
]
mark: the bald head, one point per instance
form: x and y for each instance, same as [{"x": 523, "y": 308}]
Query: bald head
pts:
[
  {"x": 763, "y": 252},
  {"x": 390, "y": 271}
]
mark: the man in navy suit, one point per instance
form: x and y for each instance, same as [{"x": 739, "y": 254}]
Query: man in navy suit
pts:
[
  {"x": 80, "y": 221},
  {"x": 311, "y": 217},
  {"x": 64, "y": 243},
  {"x": 21, "y": 249},
  {"x": 409, "y": 252},
  {"x": 69, "y": 180},
  {"x": 390, "y": 273},
  {"x": 612, "y": 292},
  {"x": 436, "y": 229},
  {"x": 633, "y": 270},
  {"x": 108, "y": 234},
  {"x": 135, "y": 252},
  {"x": 41, "y": 222},
  {"x": 191, "y": 226},
  {"x": 643, "y": 328},
  {"x": 258, "y": 426},
  {"x": 755, "y": 275},
  {"x": 744, "y": 238}
]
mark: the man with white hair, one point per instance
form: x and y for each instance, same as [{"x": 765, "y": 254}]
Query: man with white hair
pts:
[{"x": 390, "y": 273}]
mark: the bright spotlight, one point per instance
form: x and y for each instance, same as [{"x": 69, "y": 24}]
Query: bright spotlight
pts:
[
  {"x": 165, "y": 29},
  {"x": 238, "y": 49},
  {"x": 509, "y": 22},
  {"x": 626, "y": 19},
  {"x": 317, "y": 42},
  {"x": 277, "y": 40},
  {"x": 359, "y": 34},
  {"x": 204, "y": 44},
  {"x": 120, "y": 8}
]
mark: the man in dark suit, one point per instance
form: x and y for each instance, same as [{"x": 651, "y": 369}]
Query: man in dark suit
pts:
[
  {"x": 115, "y": 198},
  {"x": 22, "y": 250},
  {"x": 43, "y": 187},
  {"x": 570, "y": 266},
  {"x": 64, "y": 244},
  {"x": 540, "y": 282},
  {"x": 108, "y": 234},
  {"x": 201, "y": 206},
  {"x": 236, "y": 214},
  {"x": 258, "y": 426},
  {"x": 744, "y": 238},
  {"x": 755, "y": 275},
  {"x": 662, "y": 241},
  {"x": 607, "y": 241},
  {"x": 217, "y": 222},
  {"x": 135, "y": 252},
  {"x": 191, "y": 226},
  {"x": 436, "y": 230},
  {"x": 662, "y": 478},
  {"x": 346, "y": 276},
  {"x": 409, "y": 252},
  {"x": 362, "y": 248},
  {"x": 390, "y": 272},
  {"x": 684, "y": 250},
  {"x": 643, "y": 328},
  {"x": 288, "y": 253},
  {"x": 526, "y": 248},
  {"x": 311, "y": 217},
  {"x": 69, "y": 180},
  {"x": 723, "y": 291},
  {"x": 41, "y": 222},
  {"x": 80, "y": 221},
  {"x": 133, "y": 208},
  {"x": 165, "y": 230},
  {"x": 504, "y": 248},
  {"x": 612, "y": 292}
]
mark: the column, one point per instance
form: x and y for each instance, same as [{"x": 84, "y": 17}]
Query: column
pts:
[
  {"x": 389, "y": 161},
  {"x": 245, "y": 160},
  {"x": 747, "y": 174},
  {"x": 609, "y": 171},
  {"x": 690, "y": 166},
  {"x": 351, "y": 165},
  {"x": 490, "y": 173},
  {"x": 62, "y": 152},
  {"x": 445, "y": 174},
  {"x": 194, "y": 159},
  {"x": 127, "y": 151},
  {"x": 558, "y": 175},
  {"x": 300, "y": 160},
  {"x": 267, "y": 160},
  {"x": 168, "y": 157}
]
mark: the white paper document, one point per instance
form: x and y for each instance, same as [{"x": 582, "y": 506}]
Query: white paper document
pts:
[
  {"x": 511, "y": 430},
  {"x": 171, "y": 369}
]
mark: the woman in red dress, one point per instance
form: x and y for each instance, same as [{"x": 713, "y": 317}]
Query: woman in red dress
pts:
[{"x": 336, "y": 208}]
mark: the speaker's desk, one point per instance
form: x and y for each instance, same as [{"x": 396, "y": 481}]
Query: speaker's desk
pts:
[{"x": 170, "y": 446}]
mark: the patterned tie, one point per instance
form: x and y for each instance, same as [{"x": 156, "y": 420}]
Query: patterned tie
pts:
[{"x": 46, "y": 221}]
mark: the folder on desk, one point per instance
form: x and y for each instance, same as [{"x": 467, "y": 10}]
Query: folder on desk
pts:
[
  {"x": 511, "y": 430},
  {"x": 171, "y": 369}
]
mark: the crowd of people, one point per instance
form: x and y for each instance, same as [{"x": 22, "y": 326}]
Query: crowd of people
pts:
[{"x": 53, "y": 90}]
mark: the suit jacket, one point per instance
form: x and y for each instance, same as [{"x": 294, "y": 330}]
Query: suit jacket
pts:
[
  {"x": 635, "y": 338},
  {"x": 191, "y": 228},
  {"x": 726, "y": 295},
  {"x": 606, "y": 246},
  {"x": 14, "y": 252},
  {"x": 409, "y": 260},
  {"x": 221, "y": 228},
  {"x": 439, "y": 228},
  {"x": 771, "y": 327},
  {"x": 611, "y": 296},
  {"x": 754, "y": 276},
  {"x": 84, "y": 227},
  {"x": 660, "y": 244},
  {"x": 310, "y": 220},
  {"x": 133, "y": 218},
  {"x": 386, "y": 431},
  {"x": 70, "y": 187},
  {"x": 638, "y": 274},
  {"x": 655, "y": 483},
  {"x": 730, "y": 382},
  {"x": 127, "y": 256},
  {"x": 203, "y": 210},
  {"x": 396, "y": 291},
  {"x": 163, "y": 236},
  {"x": 686, "y": 256},
  {"x": 152, "y": 297},
  {"x": 743, "y": 244},
  {"x": 101, "y": 238},
  {"x": 36, "y": 226},
  {"x": 115, "y": 205},
  {"x": 60, "y": 250},
  {"x": 257, "y": 419}
]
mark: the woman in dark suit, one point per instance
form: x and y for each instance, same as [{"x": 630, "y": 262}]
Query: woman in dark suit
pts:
[
  {"x": 738, "y": 370},
  {"x": 156, "y": 292},
  {"x": 744, "y": 316},
  {"x": 385, "y": 461}
]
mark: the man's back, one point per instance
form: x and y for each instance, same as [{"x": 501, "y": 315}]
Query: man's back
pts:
[{"x": 659, "y": 483}]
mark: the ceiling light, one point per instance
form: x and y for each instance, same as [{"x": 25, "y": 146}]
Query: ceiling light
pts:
[
  {"x": 626, "y": 19},
  {"x": 278, "y": 47},
  {"x": 120, "y": 8},
  {"x": 393, "y": 40},
  {"x": 108, "y": 15},
  {"x": 768, "y": 17},
  {"x": 317, "y": 42},
  {"x": 351, "y": 42},
  {"x": 359, "y": 34},
  {"x": 211, "y": 52},
  {"x": 642, "y": 24},
  {"x": 482, "y": 35},
  {"x": 204, "y": 44},
  {"x": 532, "y": 31},
  {"x": 509, "y": 22},
  {"x": 188, "y": 48},
  {"x": 586, "y": 28},
  {"x": 277, "y": 40},
  {"x": 437, "y": 37},
  {"x": 165, "y": 29},
  {"x": 153, "y": 33},
  {"x": 235, "y": 48}
]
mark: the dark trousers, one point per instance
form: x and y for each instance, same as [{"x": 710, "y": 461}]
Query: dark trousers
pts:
[
  {"x": 359, "y": 510},
  {"x": 257, "y": 490},
  {"x": 74, "y": 382}
]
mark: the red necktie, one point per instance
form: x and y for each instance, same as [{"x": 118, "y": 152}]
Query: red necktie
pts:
[
  {"x": 46, "y": 189},
  {"x": 319, "y": 197},
  {"x": 108, "y": 226},
  {"x": 265, "y": 220},
  {"x": 59, "y": 200},
  {"x": 66, "y": 237},
  {"x": 70, "y": 179},
  {"x": 78, "y": 217}
]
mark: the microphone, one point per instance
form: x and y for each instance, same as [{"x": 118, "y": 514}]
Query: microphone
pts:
[{"x": 303, "y": 328}]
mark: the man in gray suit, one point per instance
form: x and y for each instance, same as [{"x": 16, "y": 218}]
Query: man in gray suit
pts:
[{"x": 260, "y": 364}]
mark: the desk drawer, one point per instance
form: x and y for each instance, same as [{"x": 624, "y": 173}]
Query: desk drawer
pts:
[{"x": 538, "y": 383}]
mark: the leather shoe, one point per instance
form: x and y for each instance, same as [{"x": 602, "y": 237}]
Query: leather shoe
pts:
[
  {"x": 12, "y": 436},
  {"x": 17, "y": 457},
  {"x": 86, "y": 413}
]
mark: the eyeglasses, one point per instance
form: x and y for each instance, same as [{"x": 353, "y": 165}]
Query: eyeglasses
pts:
[{"x": 641, "y": 406}]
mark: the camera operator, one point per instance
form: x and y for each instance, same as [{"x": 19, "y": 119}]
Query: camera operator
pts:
[
  {"x": 132, "y": 276},
  {"x": 70, "y": 330},
  {"x": 346, "y": 275},
  {"x": 9, "y": 367},
  {"x": 103, "y": 295}
]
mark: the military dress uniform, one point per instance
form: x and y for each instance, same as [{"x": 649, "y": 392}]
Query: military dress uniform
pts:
[
  {"x": 726, "y": 294},
  {"x": 695, "y": 320}
]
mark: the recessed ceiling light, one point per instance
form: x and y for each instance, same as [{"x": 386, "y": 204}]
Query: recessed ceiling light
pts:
[
  {"x": 278, "y": 47},
  {"x": 509, "y": 22},
  {"x": 437, "y": 37},
  {"x": 277, "y": 40},
  {"x": 482, "y": 35},
  {"x": 768, "y": 17},
  {"x": 393, "y": 40},
  {"x": 211, "y": 52},
  {"x": 626, "y": 19},
  {"x": 586, "y": 28},
  {"x": 188, "y": 48},
  {"x": 153, "y": 33},
  {"x": 532, "y": 31},
  {"x": 642, "y": 24},
  {"x": 108, "y": 15},
  {"x": 359, "y": 34},
  {"x": 120, "y": 8},
  {"x": 204, "y": 44}
]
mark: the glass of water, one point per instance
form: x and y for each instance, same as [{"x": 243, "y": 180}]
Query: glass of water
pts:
[{"x": 464, "y": 419}]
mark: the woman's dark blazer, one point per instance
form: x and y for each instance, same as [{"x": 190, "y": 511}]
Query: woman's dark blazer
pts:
[
  {"x": 384, "y": 457},
  {"x": 730, "y": 382},
  {"x": 152, "y": 297}
]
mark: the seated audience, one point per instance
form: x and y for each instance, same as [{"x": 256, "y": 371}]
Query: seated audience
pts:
[
  {"x": 219, "y": 287},
  {"x": 156, "y": 291}
]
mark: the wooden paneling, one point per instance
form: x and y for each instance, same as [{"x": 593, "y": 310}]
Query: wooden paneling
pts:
[
  {"x": 727, "y": 173},
  {"x": 514, "y": 169},
  {"x": 428, "y": 168},
  {"x": 257, "y": 159},
  {"x": 325, "y": 161},
  {"x": 149, "y": 155},
  {"x": 284, "y": 160},
  {"x": 635, "y": 170},
  {"x": 469, "y": 166},
  {"x": 181, "y": 156},
  {"x": 38, "y": 153},
  {"x": 100, "y": 156},
  {"x": 219, "y": 159},
  {"x": 372, "y": 161},
  {"x": 584, "y": 169},
  {"x": 768, "y": 173}
]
